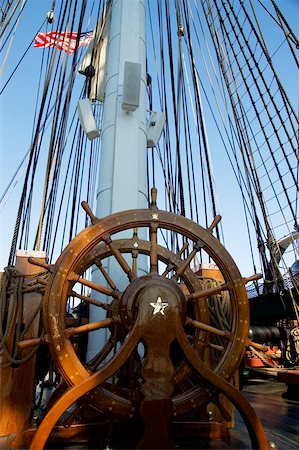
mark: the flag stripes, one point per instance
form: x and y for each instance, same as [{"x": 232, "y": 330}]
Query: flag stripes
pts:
[{"x": 63, "y": 41}]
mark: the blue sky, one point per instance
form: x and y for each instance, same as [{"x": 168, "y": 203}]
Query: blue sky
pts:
[{"x": 17, "y": 106}]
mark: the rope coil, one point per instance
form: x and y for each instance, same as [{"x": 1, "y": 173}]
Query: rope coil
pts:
[{"x": 13, "y": 287}]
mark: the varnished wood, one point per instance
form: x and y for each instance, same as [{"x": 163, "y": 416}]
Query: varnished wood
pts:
[
  {"x": 279, "y": 415},
  {"x": 90, "y": 300},
  {"x": 215, "y": 222},
  {"x": 118, "y": 256},
  {"x": 143, "y": 315},
  {"x": 153, "y": 252},
  {"x": 126, "y": 435},
  {"x": 77, "y": 391},
  {"x": 105, "y": 274},
  {"x": 189, "y": 258},
  {"x": 209, "y": 328},
  {"x": 96, "y": 286},
  {"x": 211, "y": 291},
  {"x": 253, "y": 423},
  {"x": 29, "y": 343},
  {"x": 105, "y": 323},
  {"x": 100, "y": 234},
  {"x": 157, "y": 415},
  {"x": 17, "y": 383},
  {"x": 254, "y": 277}
]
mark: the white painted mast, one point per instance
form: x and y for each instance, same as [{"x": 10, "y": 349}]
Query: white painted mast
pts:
[
  {"x": 123, "y": 171},
  {"x": 122, "y": 178}
]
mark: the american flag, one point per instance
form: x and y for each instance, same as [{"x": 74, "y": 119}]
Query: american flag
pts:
[{"x": 63, "y": 41}]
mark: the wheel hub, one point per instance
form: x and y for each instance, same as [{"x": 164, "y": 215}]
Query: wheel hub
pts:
[{"x": 154, "y": 298}]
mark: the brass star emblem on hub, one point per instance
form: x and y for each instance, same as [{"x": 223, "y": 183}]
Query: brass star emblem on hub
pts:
[{"x": 159, "y": 306}]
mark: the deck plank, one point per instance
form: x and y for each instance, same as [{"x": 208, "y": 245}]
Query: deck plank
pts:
[{"x": 279, "y": 416}]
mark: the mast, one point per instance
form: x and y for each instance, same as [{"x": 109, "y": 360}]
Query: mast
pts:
[
  {"x": 123, "y": 170},
  {"x": 122, "y": 177}
]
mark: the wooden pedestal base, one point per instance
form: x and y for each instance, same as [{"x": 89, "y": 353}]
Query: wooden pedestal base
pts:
[
  {"x": 156, "y": 415},
  {"x": 124, "y": 435}
]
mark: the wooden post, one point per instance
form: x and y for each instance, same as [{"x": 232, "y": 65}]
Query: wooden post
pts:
[{"x": 17, "y": 383}]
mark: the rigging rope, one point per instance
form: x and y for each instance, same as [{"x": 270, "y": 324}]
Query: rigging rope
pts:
[
  {"x": 201, "y": 131},
  {"x": 14, "y": 28},
  {"x": 237, "y": 171},
  {"x": 51, "y": 153},
  {"x": 21, "y": 59},
  {"x": 56, "y": 146},
  {"x": 235, "y": 26},
  {"x": 13, "y": 285},
  {"x": 181, "y": 193},
  {"x": 8, "y": 6},
  {"x": 177, "y": 110}
]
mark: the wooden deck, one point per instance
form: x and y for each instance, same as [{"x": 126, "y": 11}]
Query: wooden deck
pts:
[{"x": 279, "y": 415}]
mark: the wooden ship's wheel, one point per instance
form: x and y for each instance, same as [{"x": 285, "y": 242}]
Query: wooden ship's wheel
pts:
[{"x": 162, "y": 327}]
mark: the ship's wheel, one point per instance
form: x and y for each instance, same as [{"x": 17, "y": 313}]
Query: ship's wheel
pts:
[{"x": 161, "y": 325}]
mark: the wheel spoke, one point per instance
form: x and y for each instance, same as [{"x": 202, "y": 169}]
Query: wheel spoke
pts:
[
  {"x": 254, "y": 277},
  {"x": 153, "y": 248},
  {"x": 90, "y": 300},
  {"x": 88, "y": 210},
  {"x": 34, "y": 342},
  {"x": 69, "y": 332},
  {"x": 170, "y": 265},
  {"x": 99, "y": 357},
  {"x": 220, "y": 348},
  {"x": 135, "y": 245},
  {"x": 185, "y": 246},
  {"x": 118, "y": 256},
  {"x": 208, "y": 292},
  {"x": 105, "y": 274},
  {"x": 214, "y": 224},
  {"x": 209, "y": 328},
  {"x": 187, "y": 261},
  {"x": 169, "y": 268},
  {"x": 96, "y": 286},
  {"x": 134, "y": 262}
]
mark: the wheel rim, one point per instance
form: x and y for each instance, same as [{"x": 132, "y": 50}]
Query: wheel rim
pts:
[{"x": 85, "y": 248}]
